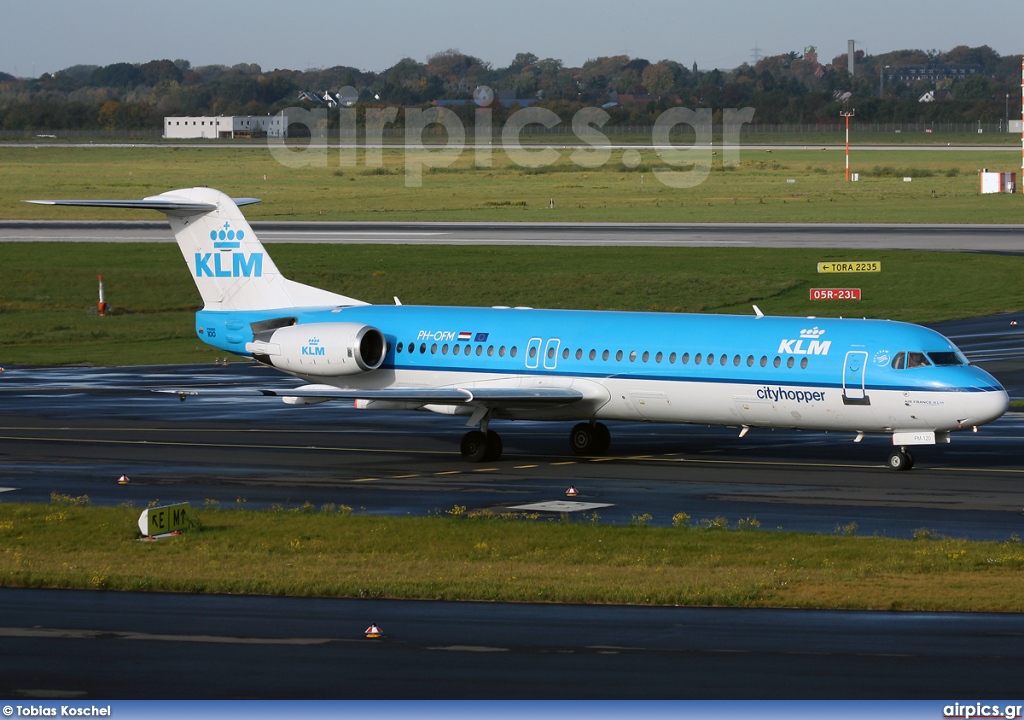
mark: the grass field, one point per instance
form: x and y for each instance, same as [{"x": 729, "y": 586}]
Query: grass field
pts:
[
  {"x": 331, "y": 551},
  {"x": 48, "y": 291},
  {"x": 754, "y": 188}
]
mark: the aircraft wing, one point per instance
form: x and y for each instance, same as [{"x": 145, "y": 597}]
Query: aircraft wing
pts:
[{"x": 480, "y": 396}]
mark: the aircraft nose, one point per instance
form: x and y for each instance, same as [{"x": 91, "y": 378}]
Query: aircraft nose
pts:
[{"x": 984, "y": 407}]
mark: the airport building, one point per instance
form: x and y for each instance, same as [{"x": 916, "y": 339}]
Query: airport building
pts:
[{"x": 231, "y": 126}]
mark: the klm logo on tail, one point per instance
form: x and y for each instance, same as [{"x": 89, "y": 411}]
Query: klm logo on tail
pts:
[{"x": 239, "y": 265}]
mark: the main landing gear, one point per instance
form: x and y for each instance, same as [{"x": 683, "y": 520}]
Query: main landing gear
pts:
[
  {"x": 478, "y": 446},
  {"x": 484, "y": 445},
  {"x": 590, "y": 439},
  {"x": 901, "y": 459}
]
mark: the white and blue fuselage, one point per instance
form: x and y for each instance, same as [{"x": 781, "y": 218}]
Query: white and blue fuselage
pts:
[{"x": 813, "y": 373}]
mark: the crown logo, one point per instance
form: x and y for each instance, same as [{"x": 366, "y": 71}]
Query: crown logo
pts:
[
  {"x": 314, "y": 341},
  {"x": 812, "y": 334},
  {"x": 226, "y": 234}
]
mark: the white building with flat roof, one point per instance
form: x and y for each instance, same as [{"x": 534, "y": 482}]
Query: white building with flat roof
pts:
[{"x": 230, "y": 126}]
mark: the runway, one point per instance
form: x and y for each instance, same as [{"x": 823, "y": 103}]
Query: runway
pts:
[
  {"x": 1006, "y": 239},
  {"x": 91, "y": 645}
]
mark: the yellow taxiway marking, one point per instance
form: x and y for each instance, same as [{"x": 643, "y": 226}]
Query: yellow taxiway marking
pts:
[
  {"x": 565, "y": 462},
  {"x": 523, "y": 467},
  {"x": 365, "y": 479},
  {"x": 602, "y": 459},
  {"x": 486, "y": 470},
  {"x": 405, "y": 477},
  {"x": 448, "y": 472}
]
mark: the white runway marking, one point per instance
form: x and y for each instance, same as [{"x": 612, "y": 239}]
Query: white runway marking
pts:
[{"x": 560, "y": 506}]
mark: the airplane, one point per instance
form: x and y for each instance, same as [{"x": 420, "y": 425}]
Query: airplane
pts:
[{"x": 502, "y": 363}]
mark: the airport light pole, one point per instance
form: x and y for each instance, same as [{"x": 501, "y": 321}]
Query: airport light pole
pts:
[{"x": 849, "y": 114}]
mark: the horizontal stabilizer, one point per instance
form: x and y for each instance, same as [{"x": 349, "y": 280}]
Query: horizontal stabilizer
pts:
[{"x": 154, "y": 203}]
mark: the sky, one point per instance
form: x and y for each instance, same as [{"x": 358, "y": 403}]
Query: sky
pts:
[{"x": 38, "y": 36}]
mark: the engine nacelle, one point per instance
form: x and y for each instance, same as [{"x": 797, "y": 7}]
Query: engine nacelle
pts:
[{"x": 323, "y": 349}]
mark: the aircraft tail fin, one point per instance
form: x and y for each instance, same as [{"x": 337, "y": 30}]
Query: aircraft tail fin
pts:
[{"x": 228, "y": 262}]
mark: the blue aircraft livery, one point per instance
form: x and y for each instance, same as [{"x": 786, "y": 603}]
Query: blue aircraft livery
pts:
[{"x": 855, "y": 376}]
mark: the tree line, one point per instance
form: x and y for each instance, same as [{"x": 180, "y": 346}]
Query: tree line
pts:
[{"x": 789, "y": 88}]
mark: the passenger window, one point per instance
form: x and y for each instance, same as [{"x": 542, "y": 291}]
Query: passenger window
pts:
[
  {"x": 551, "y": 353},
  {"x": 899, "y": 361},
  {"x": 711, "y": 359},
  {"x": 433, "y": 349},
  {"x": 646, "y": 356},
  {"x": 697, "y": 358},
  {"x": 686, "y": 358},
  {"x": 423, "y": 348},
  {"x": 657, "y": 358},
  {"x": 790, "y": 362},
  {"x": 399, "y": 348},
  {"x": 579, "y": 353},
  {"x": 723, "y": 360},
  {"x": 632, "y": 356},
  {"x": 533, "y": 352},
  {"x": 513, "y": 351},
  {"x": 618, "y": 356},
  {"x": 455, "y": 349},
  {"x": 490, "y": 351},
  {"x": 778, "y": 361},
  {"x": 764, "y": 361},
  {"x": 479, "y": 349},
  {"x": 604, "y": 355},
  {"x": 803, "y": 363},
  {"x": 593, "y": 353},
  {"x": 750, "y": 361},
  {"x": 565, "y": 354},
  {"x": 736, "y": 361},
  {"x": 501, "y": 351},
  {"x": 916, "y": 359},
  {"x": 672, "y": 358}
]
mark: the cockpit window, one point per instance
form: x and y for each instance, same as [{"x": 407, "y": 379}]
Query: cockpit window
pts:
[
  {"x": 945, "y": 358},
  {"x": 916, "y": 359},
  {"x": 899, "y": 361}
]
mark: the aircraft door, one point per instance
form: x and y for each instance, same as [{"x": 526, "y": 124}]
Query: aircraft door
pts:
[
  {"x": 551, "y": 354},
  {"x": 533, "y": 353},
  {"x": 854, "y": 392}
]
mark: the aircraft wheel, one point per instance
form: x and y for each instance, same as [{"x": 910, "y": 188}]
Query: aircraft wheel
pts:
[
  {"x": 493, "y": 442},
  {"x": 583, "y": 439},
  {"x": 474, "y": 446},
  {"x": 900, "y": 460},
  {"x": 603, "y": 438}
]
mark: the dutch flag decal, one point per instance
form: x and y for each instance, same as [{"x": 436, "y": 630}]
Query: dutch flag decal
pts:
[{"x": 465, "y": 336}]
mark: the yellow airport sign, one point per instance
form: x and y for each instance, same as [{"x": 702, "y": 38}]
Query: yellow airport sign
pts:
[
  {"x": 850, "y": 267},
  {"x": 166, "y": 519}
]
